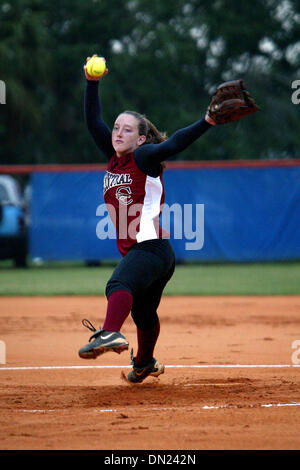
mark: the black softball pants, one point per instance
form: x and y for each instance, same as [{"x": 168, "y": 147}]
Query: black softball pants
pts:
[{"x": 144, "y": 272}]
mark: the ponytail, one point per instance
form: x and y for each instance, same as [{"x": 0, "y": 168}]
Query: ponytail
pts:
[{"x": 154, "y": 136}]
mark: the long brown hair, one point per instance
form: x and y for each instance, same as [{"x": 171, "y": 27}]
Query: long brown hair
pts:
[{"x": 147, "y": 128}]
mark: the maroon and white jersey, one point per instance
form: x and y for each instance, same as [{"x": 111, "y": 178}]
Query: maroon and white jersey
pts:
[
  {"x": 134, "y": 194},
  {"x": 134, "y": 201}
]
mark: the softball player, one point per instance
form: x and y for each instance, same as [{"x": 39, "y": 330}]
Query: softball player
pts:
[{"x": 135, "y": 151}]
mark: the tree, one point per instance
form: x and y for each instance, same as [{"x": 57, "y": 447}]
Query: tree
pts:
[
  {"x": 25, "y": 69},
  {"x": 165, "y": 59}
]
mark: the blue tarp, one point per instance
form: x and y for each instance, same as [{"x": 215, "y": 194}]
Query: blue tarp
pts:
[{"x": 230, "y": 214}]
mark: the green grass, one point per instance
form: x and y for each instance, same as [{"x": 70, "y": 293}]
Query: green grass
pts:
[{"x": 190, "y": 279}]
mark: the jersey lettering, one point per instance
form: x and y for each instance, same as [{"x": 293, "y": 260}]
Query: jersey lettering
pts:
[{"x": 113, "y": 179}]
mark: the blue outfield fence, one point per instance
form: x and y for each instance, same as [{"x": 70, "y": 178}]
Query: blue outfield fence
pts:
[{"x": 235, "y": 213}]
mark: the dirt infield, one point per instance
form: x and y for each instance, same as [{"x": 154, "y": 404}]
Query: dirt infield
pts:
[{"x": 206, "y": 403}]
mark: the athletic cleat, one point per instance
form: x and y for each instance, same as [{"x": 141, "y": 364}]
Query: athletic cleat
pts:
[
  {"x": 101, "y": 342},
  {"x": 138, "y": 374}
]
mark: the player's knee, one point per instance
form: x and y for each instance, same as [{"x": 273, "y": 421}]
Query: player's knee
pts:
[{"x": 114, "y": 285}]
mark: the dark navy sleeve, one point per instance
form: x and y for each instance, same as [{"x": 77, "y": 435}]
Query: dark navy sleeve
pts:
[
  {"x": 149, "y": 157},
  {"x": 93, "y": 117}
]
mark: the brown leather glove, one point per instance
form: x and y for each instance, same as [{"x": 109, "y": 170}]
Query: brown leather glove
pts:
[{"x": 230, "y": 102}]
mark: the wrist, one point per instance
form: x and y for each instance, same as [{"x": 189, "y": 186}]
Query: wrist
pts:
[
  {"x": 93, "y": 79},
  {"x": 210, "y": 121},
  {"x": 92, "y": 82}
]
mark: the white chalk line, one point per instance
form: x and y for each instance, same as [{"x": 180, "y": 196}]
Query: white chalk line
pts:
[
  {"x": 205, "y": 407},
  {"x": 269, "y": 405},
  {"x": 194, "y": 366}
]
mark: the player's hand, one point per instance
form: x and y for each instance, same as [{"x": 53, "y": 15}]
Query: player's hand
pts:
[{"x": 89, "y": 77}]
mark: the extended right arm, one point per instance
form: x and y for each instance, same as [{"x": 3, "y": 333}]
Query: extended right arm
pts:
[{"x": 93, "y": 117}]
